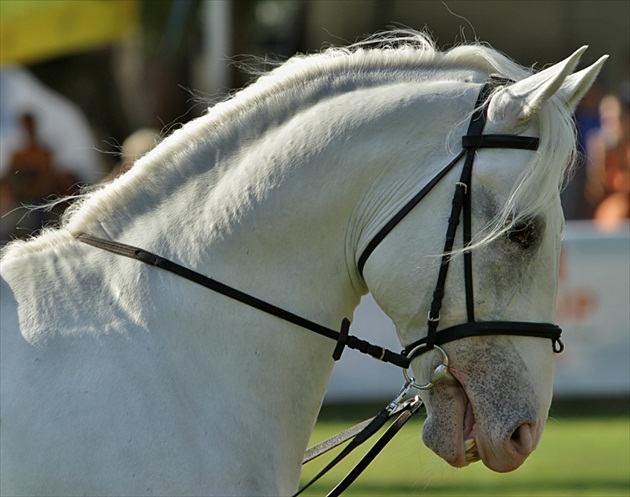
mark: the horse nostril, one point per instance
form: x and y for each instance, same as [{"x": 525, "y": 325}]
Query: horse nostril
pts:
[{"x": 522, "y": 440}]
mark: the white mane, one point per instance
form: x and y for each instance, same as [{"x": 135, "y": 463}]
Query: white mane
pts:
[{"x": 303, "y": 80}]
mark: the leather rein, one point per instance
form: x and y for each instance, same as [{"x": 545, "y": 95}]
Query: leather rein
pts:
[{"x": 471, "y": 142}]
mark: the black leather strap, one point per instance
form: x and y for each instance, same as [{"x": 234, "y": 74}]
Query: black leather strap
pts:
[
  {"x": 408, "y": 207},
  {"x": 367, "y": 429},
  {"x": 481, "y": 328},
  {"x": 370, "y": 429},
  {"x": 500, "y": 141},
  {"x": 461, "y": 198},
  {"x": 334, "y": 441},
  {"x": 411, "y": 409},
  {"x": 475, "y": 130},
  {"x": 342, "y": 338},
  {"x": 462, "y": 202}
]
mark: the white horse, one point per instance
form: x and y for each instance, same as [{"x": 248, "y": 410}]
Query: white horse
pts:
[{"x": 123, "y": 379}]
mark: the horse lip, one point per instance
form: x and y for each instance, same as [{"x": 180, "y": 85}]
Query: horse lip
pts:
[
  {"x": 469, "y": 421},
  {"x": 469, "y": 445},
  {"x": 470, "y": 449}
]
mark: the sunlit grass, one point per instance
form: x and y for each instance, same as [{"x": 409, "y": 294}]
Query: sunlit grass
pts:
[{"x": 587, "y": 457}]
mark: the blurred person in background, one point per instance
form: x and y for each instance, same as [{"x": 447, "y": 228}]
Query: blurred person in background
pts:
[
  {"x": 587, "y": 122},
  {"x": 608, "y": 187},
  {"x": 46, "y": 150},
  {"x": 30, "y": 179}
]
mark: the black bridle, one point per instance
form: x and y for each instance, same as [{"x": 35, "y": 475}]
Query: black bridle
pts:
[{"x": 471, "y": 142}]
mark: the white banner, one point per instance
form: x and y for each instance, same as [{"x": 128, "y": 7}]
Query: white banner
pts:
[{"x": 593, "y": 311}]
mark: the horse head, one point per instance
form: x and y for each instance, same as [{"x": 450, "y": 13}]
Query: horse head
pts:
[{"x": 496, "y": 407}]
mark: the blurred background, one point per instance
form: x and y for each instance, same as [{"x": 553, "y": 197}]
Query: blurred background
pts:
[
  {"x": 88, "y": 86},
  {"x": 80, "y": 78}
]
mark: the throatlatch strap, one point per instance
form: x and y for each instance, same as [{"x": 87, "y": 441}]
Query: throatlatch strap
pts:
[
  {"x": 342, "y": 338},
  {"x": 408, "y": 207}
]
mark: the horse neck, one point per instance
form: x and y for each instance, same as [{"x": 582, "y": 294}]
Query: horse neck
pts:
[
  {"x": 280, "y": 215},
  {"x": 282, "y": 210}
]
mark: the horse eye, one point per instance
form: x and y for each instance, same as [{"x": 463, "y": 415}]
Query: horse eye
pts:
[{"x": 523, "y": 233}]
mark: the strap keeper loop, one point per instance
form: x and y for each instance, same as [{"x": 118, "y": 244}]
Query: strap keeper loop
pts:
[
  {"x": 558, "y": 346},
  {"x": 342, "y": 341}
]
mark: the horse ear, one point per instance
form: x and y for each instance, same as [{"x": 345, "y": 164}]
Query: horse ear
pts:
[
  {"x": 576, "y": 85},
  {"x": 520, "y": 101}
]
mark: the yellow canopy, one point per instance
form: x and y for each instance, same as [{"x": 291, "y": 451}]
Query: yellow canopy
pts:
[{"x": 34, "y": 30}]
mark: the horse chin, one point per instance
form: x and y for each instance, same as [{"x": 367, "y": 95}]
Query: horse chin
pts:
[{"x": 452, "y": 430}]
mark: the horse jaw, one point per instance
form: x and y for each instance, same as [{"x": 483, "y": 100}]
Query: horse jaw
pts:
[{"x": 498, "y": 411}]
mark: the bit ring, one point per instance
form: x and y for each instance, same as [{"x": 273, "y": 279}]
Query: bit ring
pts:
[{"x": 441, "y": 374}]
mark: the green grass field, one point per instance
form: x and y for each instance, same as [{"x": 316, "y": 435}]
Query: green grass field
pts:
[{"x": 585, "y": 455}]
